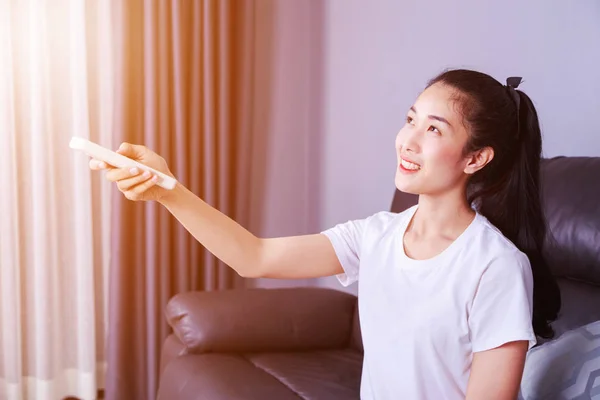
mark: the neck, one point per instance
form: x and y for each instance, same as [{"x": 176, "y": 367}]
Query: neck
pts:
[{"x": 446, "y": 214}]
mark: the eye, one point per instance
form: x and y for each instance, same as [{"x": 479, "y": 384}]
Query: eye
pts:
[
  {"x": 409, "y": 120},
  {"x": 434, "y": 129}
]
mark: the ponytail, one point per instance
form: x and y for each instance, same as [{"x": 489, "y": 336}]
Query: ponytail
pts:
[
  {"x": 507, "y": 190},
  {"x": 515, "y": 208}
]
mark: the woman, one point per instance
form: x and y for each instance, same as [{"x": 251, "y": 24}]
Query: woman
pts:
[{"x": 454, "y": 290}]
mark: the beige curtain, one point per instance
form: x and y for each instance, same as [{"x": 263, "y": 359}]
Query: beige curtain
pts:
[
  {"x": 185, "y": 89},
  {"x": 55, "y": 81}
]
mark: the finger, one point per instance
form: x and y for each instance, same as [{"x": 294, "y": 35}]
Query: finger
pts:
[
  {"x": 136, "y": 192},
  {"x": 128, "y": 183},
  {"x": 131, "y": 150},
  {"x": 97, "y": 165},
  {"x": 117, "y": 174}
]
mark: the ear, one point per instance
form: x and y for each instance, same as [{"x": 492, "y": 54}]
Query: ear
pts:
[{"x": 478, "y": 160}]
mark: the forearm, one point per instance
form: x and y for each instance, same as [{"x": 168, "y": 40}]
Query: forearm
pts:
[
  {"x": 496, "y": 373},
  {"x": 219, "y": 234}
]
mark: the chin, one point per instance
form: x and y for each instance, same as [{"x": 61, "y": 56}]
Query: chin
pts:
[{"x": 404, "y": 185}]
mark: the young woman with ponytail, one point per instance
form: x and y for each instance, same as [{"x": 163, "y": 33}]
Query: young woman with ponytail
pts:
[{"x": 453, "y": 291}]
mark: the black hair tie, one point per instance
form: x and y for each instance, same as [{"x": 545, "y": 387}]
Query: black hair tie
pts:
[{"x": 512, "y": 83}]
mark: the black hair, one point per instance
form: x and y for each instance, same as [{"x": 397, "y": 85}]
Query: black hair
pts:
[{"x": 507, "y": 190}]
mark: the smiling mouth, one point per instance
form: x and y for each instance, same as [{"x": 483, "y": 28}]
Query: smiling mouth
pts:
[{"x": 410, "y": 166}]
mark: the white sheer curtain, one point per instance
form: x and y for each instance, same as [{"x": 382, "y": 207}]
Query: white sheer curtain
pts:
[{"x": 56, "y": 66}]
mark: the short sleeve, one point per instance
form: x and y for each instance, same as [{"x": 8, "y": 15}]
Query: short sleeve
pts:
[
  {"x": 346, "y": 239},
  {"x": 501, "y": 310}
]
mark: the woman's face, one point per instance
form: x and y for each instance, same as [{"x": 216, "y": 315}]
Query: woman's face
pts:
[{"x": 430, "y": 146}]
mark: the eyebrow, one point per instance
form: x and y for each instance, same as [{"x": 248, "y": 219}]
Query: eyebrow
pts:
[{"x": 435, "y": 117}]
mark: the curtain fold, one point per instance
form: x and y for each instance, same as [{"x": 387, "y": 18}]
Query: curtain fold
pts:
[
  {"x": 184, "y": 90},
  {"x": 55, "y": 215}
]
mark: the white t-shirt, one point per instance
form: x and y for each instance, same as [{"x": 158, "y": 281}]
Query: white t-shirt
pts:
[{"x": 422, "y": 320}]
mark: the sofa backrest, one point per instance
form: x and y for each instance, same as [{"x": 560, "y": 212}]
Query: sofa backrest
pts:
[
  {"x": 571, "y": 193},
  {"x": 571, "y": 203},
  {"x": 571, "y": 198}
]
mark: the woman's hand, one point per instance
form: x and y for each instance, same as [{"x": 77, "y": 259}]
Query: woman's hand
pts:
[
  {"x": 295, "y": 257},
  {"x": 135, "y": 184}
]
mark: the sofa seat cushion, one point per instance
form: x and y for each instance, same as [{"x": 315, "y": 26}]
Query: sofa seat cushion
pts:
[
  {"x": 329, "y": 374},
  {"x": 565, "y": 368},
  {"x": 214, "y": 376}
]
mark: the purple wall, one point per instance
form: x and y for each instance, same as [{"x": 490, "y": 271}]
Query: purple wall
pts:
[{"x": 345, "y": 74}]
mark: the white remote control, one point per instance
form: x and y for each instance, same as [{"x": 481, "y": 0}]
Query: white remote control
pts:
[{"x": 118, "y": 160}]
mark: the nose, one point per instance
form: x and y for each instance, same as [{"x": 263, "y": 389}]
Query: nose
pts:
[{"x": 408, "y": 140}]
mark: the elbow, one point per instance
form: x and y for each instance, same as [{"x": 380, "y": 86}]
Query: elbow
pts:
[
  {"x": 249, "y": 274},
  {"x": 251, "y": 271},
  {"x": 256, "y": 266}
]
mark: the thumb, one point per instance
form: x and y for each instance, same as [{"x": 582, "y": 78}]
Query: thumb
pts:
[{"x": 131, "y": 150}]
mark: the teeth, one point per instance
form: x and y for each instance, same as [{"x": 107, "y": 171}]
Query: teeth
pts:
[{"x": 409, "y": 165}]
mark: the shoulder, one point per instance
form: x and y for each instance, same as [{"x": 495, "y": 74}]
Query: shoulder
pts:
[
  {"x": 389, "y": 217},
  {"x": 497, "y": 252},
  {"x": 384, "y": 221},
  {"x": 372, "y": 227}
]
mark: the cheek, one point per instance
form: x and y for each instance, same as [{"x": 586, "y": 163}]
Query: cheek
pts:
[{"x": 440, "y": 155}]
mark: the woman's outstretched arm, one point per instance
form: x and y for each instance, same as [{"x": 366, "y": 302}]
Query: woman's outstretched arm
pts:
[{"x": 306, "y": 256}]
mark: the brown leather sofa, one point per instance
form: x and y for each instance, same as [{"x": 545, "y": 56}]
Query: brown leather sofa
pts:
[
  {"x": 262, "y": 344},
  {"x": 304, "y": 343}
]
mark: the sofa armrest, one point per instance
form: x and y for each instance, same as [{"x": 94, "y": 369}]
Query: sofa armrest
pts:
[{"x": 257, "y": 320}]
